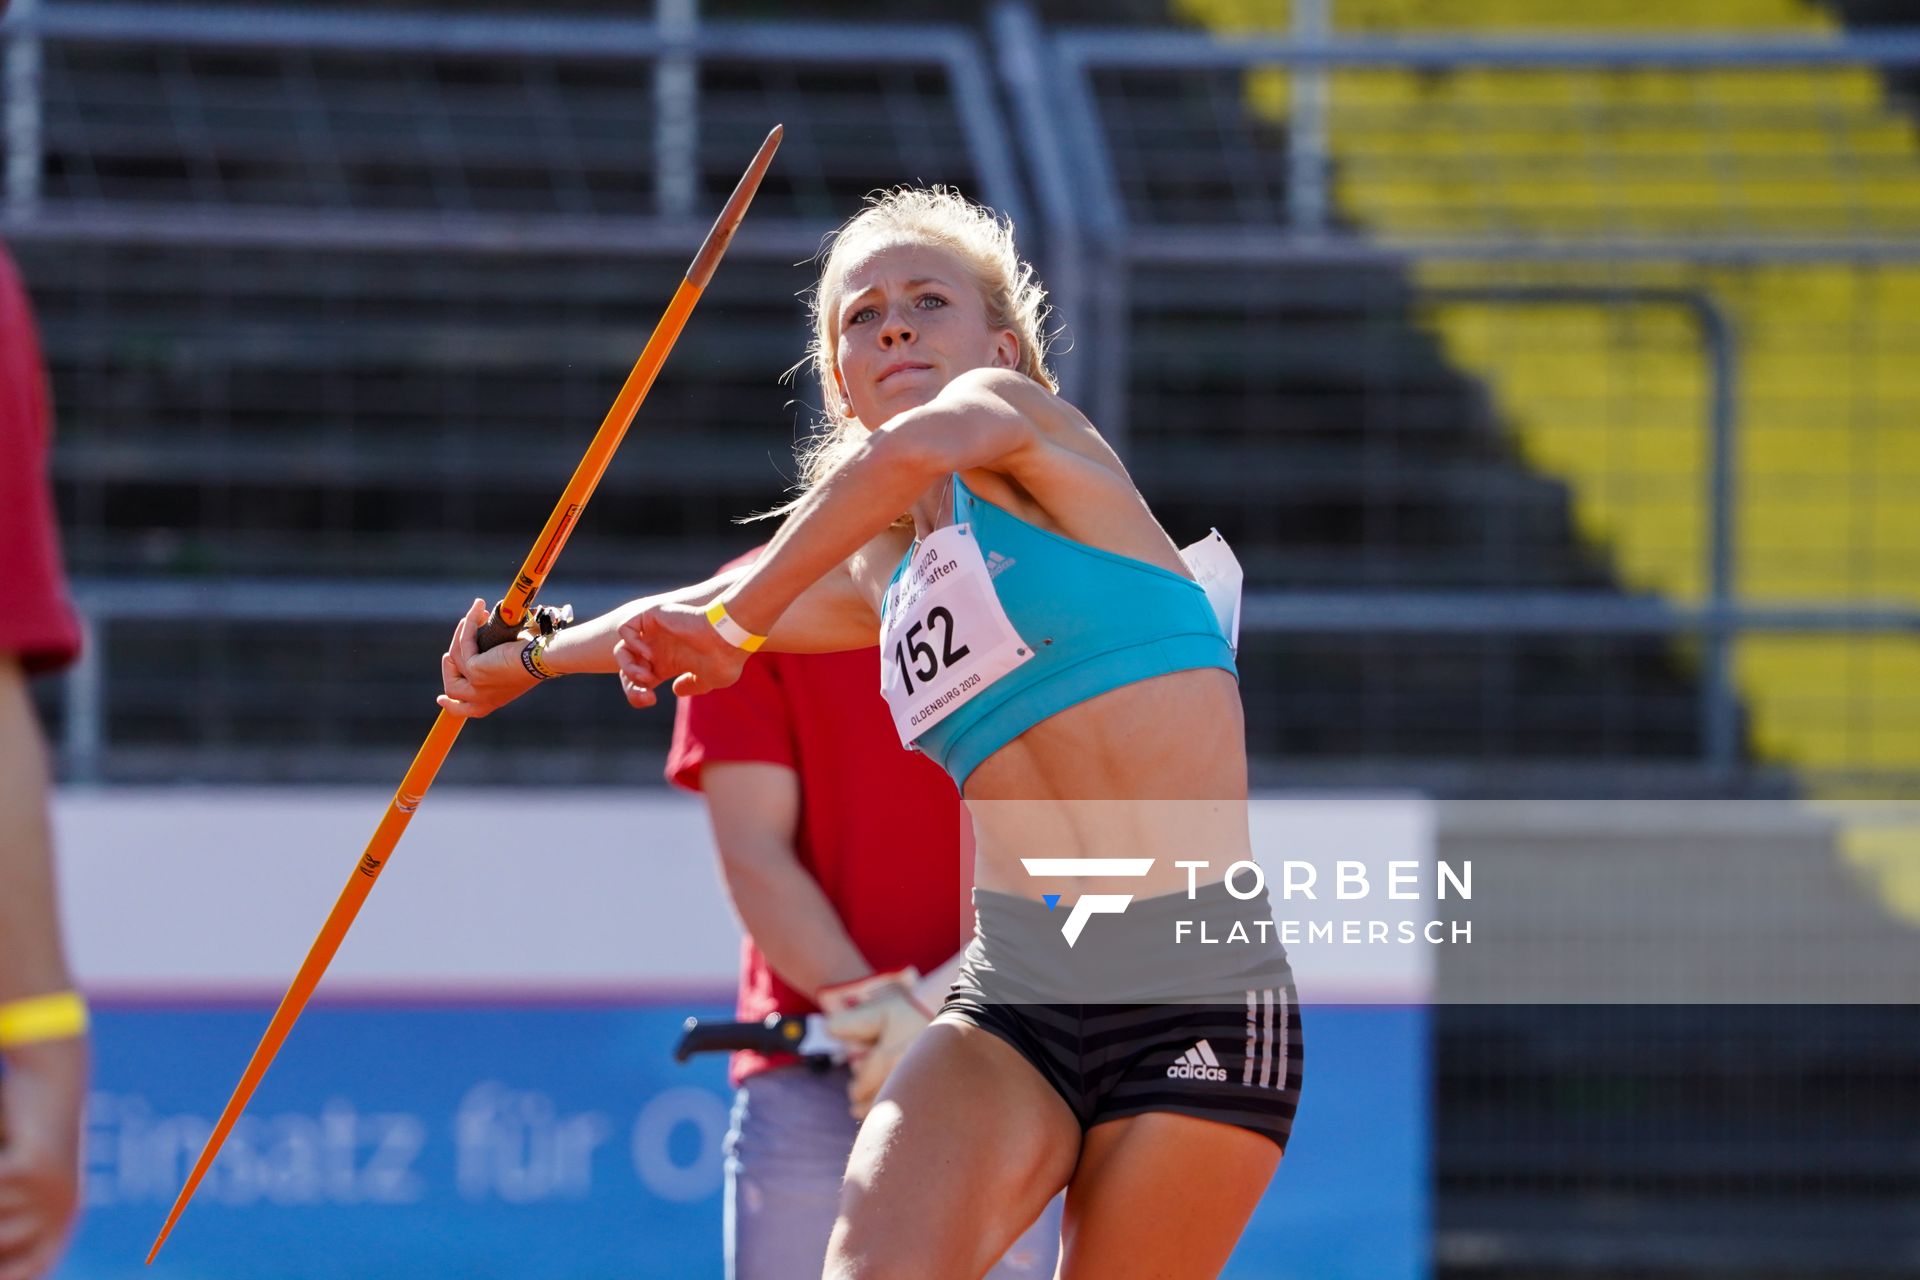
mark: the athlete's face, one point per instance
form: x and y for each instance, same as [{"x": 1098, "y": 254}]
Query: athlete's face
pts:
[{"x": 908, "y": 319}]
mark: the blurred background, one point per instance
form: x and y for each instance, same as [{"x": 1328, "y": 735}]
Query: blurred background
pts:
[{"x": 1552, "y": 367}]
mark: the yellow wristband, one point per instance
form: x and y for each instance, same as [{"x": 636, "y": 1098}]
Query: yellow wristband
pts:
[
  {"x": 730, "y": 631},
  {"x": 60, "y": 1016}
]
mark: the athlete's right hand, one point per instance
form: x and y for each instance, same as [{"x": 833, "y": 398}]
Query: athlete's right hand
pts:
[
  {"x": 674, "y": 643},
  {"x": 474, "y": 683},
  {"x": 877, "y": 1033}
]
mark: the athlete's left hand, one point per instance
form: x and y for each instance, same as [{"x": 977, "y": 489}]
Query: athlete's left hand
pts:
[
  {"x": 674, "y": 642},
  {"x": 878, "y": 1033}
]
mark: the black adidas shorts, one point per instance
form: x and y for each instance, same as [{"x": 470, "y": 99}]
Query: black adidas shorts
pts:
[{"x": 1215, "y": 1034}]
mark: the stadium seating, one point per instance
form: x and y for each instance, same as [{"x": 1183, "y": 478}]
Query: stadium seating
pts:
[
  {"x": 316, "y": 390},
  {"x": 316, "y": 408},
  {"x": 262, "y": 409},
  {"x": 1611, "y": 402}
]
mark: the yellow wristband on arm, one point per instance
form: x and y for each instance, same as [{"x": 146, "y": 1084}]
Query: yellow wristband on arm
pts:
[
  {"x": 730, "y": 631},
  {"x": 61, "y": 1016}
]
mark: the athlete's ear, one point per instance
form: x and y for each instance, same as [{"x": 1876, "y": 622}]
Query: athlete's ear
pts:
[
  {"x": 840, "y": 385},
  {"x": 1006, "y": 350}
]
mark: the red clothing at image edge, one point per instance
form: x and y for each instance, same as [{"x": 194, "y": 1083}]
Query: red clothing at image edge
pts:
[
  {"x": 38, "y": 625},
  {"x": 879, "y": 826}
]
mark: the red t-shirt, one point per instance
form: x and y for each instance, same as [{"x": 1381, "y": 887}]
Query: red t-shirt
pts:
[
  {"x": 879, "y": 826},
  {"x": 38, "y": 624}
]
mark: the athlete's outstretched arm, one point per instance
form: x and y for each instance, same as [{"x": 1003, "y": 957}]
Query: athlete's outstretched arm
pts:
[
  {"x": 829, "y": 616},
  {"x": 474, "y": 683}
]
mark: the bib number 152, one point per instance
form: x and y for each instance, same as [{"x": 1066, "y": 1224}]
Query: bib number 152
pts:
[{"x": 927, "y": 662}]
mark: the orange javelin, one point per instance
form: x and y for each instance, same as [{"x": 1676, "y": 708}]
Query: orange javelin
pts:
[{"x": 507, "y": 618}]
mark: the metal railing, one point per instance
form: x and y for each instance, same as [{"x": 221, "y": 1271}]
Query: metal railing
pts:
[{"x": 106, "y": 604}]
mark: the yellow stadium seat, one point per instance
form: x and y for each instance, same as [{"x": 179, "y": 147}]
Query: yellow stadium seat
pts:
[{"x": 1613, "y": 401}]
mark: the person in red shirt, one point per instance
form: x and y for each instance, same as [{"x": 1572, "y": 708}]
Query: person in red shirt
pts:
[
  {"x": 842, "y": 855},
  {"x": 43, "y": 1049}
]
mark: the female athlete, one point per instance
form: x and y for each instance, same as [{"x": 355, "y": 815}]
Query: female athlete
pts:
[{"x": 1044, "y": 640}]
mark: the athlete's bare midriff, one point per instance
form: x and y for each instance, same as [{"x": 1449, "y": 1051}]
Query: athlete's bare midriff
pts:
[{"x": 1154, "y": 769}]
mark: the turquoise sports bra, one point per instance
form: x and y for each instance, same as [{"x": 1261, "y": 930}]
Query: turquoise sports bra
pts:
[{"x": 1096, "y": 620}]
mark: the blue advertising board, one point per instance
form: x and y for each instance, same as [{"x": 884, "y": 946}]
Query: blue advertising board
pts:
[{"x": 548, "y": 1141}]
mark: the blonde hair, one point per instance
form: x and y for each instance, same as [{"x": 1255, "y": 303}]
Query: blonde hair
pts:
[{"x": 937, "y": 216}]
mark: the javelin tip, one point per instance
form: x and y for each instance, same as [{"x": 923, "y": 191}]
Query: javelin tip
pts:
[
  {"x": 179, "y": 1204},
  {"x": 736, "y": 208}
]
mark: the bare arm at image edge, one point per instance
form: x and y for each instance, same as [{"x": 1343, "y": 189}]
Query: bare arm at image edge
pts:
[{"x": 43, "y": 1086}]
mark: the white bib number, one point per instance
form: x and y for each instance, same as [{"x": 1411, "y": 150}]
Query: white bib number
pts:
[{"x": 946, "y": 638}]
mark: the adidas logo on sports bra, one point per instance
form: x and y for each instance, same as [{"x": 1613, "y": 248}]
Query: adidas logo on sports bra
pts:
[
  {"x": 996, "y": 562},
  {"x": 1198, "y": 1063}
]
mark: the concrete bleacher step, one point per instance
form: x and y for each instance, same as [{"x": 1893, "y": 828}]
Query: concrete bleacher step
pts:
[
  {"x": 1291, "y": 509},
  {"x": 210, "y": 702},
  {"x": 264, "y": 412},
  {"x": 1327, "y": 423},
  {"x": 173, "y": 130},
  {"x": 1496, "y": 707}
]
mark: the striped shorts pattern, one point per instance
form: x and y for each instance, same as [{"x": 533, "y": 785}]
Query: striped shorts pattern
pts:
[{"x": 1236, "y": 1063}]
